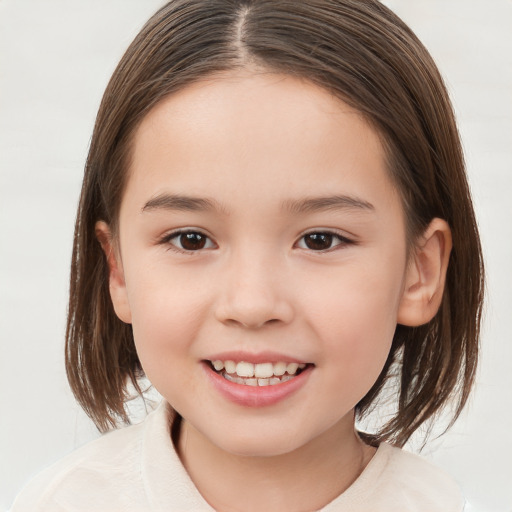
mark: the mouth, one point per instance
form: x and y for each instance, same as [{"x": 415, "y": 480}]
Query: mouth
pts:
[{"x": 259, "y": 374}]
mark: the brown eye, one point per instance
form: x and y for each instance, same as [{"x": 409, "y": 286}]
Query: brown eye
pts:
[
  {"x": 192, "y": 241},
  {"x": 318, "y": 241},
  {"x": 322, "y": 241},
  {"x": 187, "y": 241}
]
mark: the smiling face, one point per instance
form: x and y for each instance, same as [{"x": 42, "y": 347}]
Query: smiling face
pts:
[{"x": 260, "y": 225}]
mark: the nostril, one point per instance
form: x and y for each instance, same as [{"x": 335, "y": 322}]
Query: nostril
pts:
[
  {"x": 251, "y": 324},
  {"x": 253, "y": 307}
]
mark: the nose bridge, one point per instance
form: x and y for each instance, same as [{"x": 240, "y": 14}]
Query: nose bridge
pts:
[{"x": 253, "y": 288}]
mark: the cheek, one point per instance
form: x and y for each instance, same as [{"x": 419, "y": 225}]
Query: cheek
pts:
[
  {"x": 161, "y": 298},
  {"x": 166, "y": 317},
  {"x": 355, "y": 316}
]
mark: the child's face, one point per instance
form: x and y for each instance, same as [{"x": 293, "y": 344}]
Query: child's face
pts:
[{"x": 264, "y": 172}]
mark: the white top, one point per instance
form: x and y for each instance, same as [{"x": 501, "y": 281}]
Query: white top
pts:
[{"x": 137, "y": 469}]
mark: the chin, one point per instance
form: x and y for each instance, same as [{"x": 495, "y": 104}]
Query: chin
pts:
[
  {"x": 258, "y": 442},
  {"x": 257, "y": 447}
]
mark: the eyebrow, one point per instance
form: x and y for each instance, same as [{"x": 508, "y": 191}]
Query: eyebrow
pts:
[
  {"x": 336, "y": 202},
  {"x": 182, "y": 203},
  {"x": 178, "y": 202}
]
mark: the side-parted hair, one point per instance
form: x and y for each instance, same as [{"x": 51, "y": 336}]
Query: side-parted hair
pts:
[{"x": 366, "y": 56}]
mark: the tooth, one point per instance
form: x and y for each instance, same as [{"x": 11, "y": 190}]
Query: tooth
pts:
[
  {"x": 230, "y": 366},
  {"x": 292, "y": 368},
  {"x": 244, "y": 369},
  {"x": 218, "y": 365},
  {"x": 302, "y": 366},
  {"x": 251, "y": 382},
  {"x": 263, "y": 370},
  {"x": 279, "y": 368},
  {"x": 239, "y": 380},
  {"x": 229, "y": 377},
  {"x": 286, "y": 378},
  {"x": 274, "y": 380},
  {"x": 263, "y": 382}
]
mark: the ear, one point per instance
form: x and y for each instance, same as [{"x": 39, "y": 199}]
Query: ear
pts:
[
  {"x": 426, "y": 275},
  {"x": 117, "y": 284}
]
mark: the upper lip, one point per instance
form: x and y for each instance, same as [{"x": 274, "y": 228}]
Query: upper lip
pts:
[{"x": 255, "y": 357}]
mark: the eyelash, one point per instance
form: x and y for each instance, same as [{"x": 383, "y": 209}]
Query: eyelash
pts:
[
  {"x": 343, "y": 241},
  {"x": 167, "y": 240}
]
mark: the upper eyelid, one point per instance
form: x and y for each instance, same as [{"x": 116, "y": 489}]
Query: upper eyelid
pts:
[
  {"x": 329, "y": 231},
  {"x": 343, "y": 240},
  {"x": 177, "y": 232},
  {"x": 165, "y": 240}
]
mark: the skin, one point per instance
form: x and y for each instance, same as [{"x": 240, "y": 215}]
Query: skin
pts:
[{"x": 252, "y": 142}]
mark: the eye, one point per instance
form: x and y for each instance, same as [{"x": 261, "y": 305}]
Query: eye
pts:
[
  {"x": 188, "y": 241},
  {"x": 322, "y": 241}
]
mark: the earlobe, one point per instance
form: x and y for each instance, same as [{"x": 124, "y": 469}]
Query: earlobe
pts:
[
  {"x": 117, "y": 284},
  {"x": 426, "y": 275}
]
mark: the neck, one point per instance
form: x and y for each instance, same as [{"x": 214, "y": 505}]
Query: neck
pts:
[{"x": 329, "y": 464}]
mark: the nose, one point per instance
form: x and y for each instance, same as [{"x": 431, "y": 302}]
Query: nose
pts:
[{"x": 253, "y": 294}]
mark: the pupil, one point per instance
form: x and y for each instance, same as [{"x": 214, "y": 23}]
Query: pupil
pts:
[
  {"x": 192, "y": 241},
  {"x": 318, "y": 241}
]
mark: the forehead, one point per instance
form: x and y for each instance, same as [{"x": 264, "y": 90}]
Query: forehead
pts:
[{"x": 244, "y": 135}]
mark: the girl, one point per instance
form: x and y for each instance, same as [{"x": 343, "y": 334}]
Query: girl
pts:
[{"x": 275, "y": 228}]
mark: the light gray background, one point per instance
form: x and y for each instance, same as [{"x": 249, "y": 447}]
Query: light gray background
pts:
[{"x": 55, "y": 59}]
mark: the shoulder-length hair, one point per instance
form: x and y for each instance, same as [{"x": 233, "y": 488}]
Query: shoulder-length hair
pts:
[{"x": 365, "y": 55}]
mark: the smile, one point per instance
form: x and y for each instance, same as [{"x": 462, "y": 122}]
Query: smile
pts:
[
  {"x": 261, "y": 383},
  {"x": 259, "y": 374}
]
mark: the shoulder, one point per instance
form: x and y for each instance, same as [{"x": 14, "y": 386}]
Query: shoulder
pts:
[
  {"x": 397, "y": 480},
  {"x": 134, "y": 469},
  {"x": 418, "y": 484},
  {"x": 99, "y": 467}
]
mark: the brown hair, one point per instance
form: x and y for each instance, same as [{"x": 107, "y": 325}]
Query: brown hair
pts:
[{"x": 365, "y": 55}]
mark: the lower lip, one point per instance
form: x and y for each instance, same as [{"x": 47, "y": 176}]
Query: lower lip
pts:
[{"x": 257, "y": 396}]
